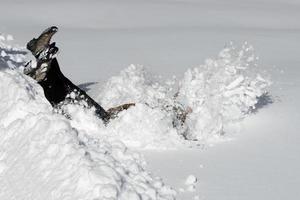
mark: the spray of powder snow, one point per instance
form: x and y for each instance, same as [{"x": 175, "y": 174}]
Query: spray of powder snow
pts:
[
  {"x": 42, "y": 156},
  {"x": 215, "y": 95}
]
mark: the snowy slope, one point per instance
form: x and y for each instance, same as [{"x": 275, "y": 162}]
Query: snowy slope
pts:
[
  {"x": 43, "y": 157},
  {"x": 168, "y": 37}
]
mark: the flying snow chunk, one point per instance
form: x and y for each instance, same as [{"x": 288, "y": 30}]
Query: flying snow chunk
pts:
[
  {"x": 190, "y": 180},
  {"x": 2, "y": 38},
  {"x": 9, "y": 38}
]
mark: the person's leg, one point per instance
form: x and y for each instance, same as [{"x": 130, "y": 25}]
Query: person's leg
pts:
[{"x": 58, "y": 88}]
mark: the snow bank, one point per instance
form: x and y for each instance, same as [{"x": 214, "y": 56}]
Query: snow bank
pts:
[
  {"x": 43, "y": 156},
  {"x": 215, "y": 95}
]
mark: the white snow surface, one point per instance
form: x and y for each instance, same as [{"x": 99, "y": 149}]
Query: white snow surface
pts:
[
  {"x": 43, "y": 156},
  {"x": 217, "y": 94},
  {"x": 98, "y": 38},
  {"x": 49, "y": 157},
  {"x": 46, "y": 156}
]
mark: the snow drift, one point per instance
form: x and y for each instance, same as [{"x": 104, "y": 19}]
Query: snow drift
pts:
[
  {"x": 42, "y": 156},
  {"x": 214, "y": 96}
]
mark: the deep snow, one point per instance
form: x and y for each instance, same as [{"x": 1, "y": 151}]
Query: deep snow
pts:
[
  {"x": 169, "y": 37},
  {"x": 216, "y": 95},
  {"x": 81, "y": 158},
  {"x": 42, "y": 156}
]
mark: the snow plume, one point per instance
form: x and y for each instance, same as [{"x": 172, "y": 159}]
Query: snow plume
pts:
[
  {"x": 42, "y": 156},
  {"x": 222, "y": 91},
  {"x": 210, "y": 97},
  {"x": 134, "y": 84},
  {"x": 149, "y": 124}
]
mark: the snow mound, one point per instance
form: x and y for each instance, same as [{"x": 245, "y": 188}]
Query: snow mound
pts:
[
  {"x": 43, "y": 156},
  {"x": 214, "y": 96}
]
